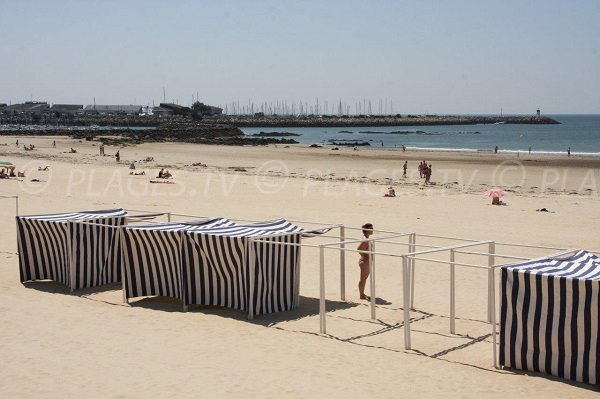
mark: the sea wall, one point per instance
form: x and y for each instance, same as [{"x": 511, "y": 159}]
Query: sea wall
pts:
[{"x": 363, "y": 121}]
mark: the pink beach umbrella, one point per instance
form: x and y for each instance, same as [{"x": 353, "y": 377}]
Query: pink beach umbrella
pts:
[{"x": 495, "y": 193}]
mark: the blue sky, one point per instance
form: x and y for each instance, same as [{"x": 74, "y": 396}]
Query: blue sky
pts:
[{"x": 425, "y": 56}]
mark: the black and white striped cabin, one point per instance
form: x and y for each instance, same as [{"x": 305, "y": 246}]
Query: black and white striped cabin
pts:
[
  {"x": 213, "y": 262},
  {"x": 223, "y": 267},
  {"x": 550, "y": 316},
  {"x": 79, "y": 255},
  {"x": 151, "y": 256}
]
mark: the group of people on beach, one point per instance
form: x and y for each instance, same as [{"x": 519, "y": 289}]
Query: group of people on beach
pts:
[
  {"x": 5, "y": 174},
  {"x": 425, "y": 171},
  {"x": 164, "y": 174}
]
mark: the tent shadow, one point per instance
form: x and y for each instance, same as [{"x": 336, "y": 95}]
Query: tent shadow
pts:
[
  {"x": 54, "y": 287},
  {"x": 535, "y": 374},
  {"x": 308, "y": 307}
]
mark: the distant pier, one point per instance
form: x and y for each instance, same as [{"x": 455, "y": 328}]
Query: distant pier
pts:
[{"x": 363, "y": 121}]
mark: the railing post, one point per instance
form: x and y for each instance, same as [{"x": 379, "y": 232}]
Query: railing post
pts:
[
  {"x": 412, "y": 261},
  {"x": 405, "y": 301},
  {"x": 493, "y": 305},
  {"x": 323, "y": 327},
  {"x": 372, "y": 279},
  {"x": 452, "y": 294},
  {"x": 169, "y": 217},
  {"x": 17, "y": 204},
  {"x": 342, "y": 264},
  {"x": 491, "y": 261}
]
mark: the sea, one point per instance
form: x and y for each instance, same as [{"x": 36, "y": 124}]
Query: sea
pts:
[{"x": 580, "y": 133}]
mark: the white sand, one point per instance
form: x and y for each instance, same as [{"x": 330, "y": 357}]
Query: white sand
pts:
[{"x": 54, "y": 344}]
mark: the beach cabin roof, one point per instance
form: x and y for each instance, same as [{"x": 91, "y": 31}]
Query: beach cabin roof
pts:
[{"x": 549, "y": 316}]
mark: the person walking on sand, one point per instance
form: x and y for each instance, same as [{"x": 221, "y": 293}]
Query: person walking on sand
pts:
[
  {"x": 17, "y": 144},
  {"x": 54, "y": 144},
  {"x": 118, "y": 156},
  {"x": 569, "y": 152},
  {"x": 404, "y": 167},
  {"x": 427, "y": 173},
  {"x": 364, "y": 260},
  {"x": 529, "y": 150}
]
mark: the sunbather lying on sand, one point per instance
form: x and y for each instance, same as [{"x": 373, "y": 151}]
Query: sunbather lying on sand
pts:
[
  {"x": 44, "y": 169},
  {"x": 199, "y": 164},
  {"x": 162, "y": 182},
  {"x": 142, "y": 173}
]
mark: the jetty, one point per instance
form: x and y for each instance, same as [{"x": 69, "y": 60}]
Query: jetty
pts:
[{"x": 375, "y": 120}]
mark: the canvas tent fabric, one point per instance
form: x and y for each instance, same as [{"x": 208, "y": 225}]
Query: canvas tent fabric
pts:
[
  {"x": 222, "y": 267},
  {"x": 79, "y": 255},
  {"x": 210, "y": 263},
  {"x": 151, "y": 255},
  {"x": 550, "y": 317}
]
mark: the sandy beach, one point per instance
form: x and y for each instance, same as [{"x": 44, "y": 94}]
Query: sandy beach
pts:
[{"x": 90, "y": 344}]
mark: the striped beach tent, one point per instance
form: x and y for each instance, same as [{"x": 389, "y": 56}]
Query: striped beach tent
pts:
[
  {"x": 80, "y": 255},
  {"x": 224, "y": 267},
  {"x": 550, "y": 317},
  {"x": 214, "y": 262},
  {"x": 151, "y": 256}
]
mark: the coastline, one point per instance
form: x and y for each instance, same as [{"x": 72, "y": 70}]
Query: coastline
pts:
[{"x": 290, "y": 161}]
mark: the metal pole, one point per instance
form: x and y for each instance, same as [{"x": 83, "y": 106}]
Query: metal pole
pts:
[
  {"x": 493, "y": 305},
  {"x": 17, "y": 204},
  {"x": 452, "y": 294},
  {"x": 169, "y": 217},
  {"x": 372, "y": 279},
  {"x": 299, "y": 260},
  {"x": 323, "y": 328},
  {"x": 405, "y": 301},
  {"x": 412, "y": 261},
  {"x": 342, "y": 264},
  {"x": 491, "y": 260}
]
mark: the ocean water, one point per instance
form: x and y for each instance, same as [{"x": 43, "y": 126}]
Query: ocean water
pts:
[{"x": 580, "y": 132}]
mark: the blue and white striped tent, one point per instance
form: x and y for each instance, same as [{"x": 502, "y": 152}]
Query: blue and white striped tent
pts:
[
  {"x": 550, "y": 317},
  {"x": 211, "y": 262},
  {"x": 79, "y": 255}
]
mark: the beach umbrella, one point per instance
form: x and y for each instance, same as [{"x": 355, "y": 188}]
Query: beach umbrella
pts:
[{"x": 495, "y": 193}]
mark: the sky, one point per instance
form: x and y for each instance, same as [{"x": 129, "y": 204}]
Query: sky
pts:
[{"x": 434, "y": 57}]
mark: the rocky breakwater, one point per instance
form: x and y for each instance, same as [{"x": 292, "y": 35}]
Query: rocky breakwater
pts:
[
  {"x": 135, "y": 129},
  {"x": 376, "y": 120},
  {"x": 205, "y": 133}
]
